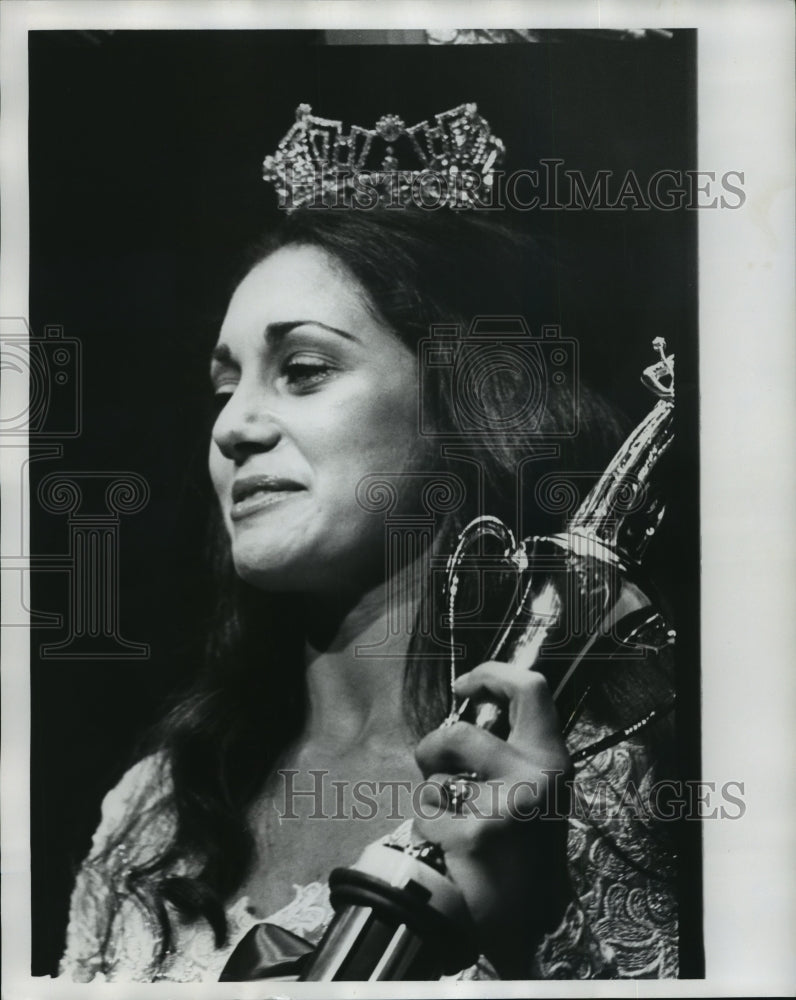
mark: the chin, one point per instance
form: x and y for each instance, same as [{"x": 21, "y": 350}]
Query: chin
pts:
[
  {"x": 311, "y": 574},
  {"x": 271, "y": 574}
]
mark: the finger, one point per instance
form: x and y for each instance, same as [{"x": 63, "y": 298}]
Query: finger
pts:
[
  {"x": 514, "y": 798},
  {"x": 462, "y": 748},
  {"x": 432, "y": 799},
  {"x": 459, "y": 829},
  {"x": 532, "y": 713}
]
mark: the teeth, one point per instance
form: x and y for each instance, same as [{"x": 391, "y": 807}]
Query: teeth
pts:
[
  {"x": 266, "y": 490},
  {"x": 254, "y": 493}
]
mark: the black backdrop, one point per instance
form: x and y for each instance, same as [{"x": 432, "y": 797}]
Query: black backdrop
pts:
[{"x": 145, "y": 154}]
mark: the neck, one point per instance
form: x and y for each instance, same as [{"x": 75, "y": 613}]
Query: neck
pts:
[{"x": 355, "y": 652}]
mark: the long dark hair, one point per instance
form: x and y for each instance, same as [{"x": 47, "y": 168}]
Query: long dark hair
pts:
[{"x": 222, "y": 740}]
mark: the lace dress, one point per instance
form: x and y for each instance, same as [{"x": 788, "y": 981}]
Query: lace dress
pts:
[{"x": 622, "y": 924}]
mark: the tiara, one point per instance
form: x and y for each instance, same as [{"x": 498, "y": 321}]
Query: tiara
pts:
[{"x": 448, "y": 162}]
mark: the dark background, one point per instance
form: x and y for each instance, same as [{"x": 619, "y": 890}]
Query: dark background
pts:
[{"x": 145, "y": 158}]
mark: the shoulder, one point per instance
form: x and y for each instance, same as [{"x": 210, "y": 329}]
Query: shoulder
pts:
[
  {"x": 141, "y": 799},
  {"x": 109, "y": 933}
]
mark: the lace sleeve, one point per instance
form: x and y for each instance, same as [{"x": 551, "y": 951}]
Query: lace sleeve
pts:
[
  {"x": 99, "y": 887},
  {"x": 622, "y": 865}
]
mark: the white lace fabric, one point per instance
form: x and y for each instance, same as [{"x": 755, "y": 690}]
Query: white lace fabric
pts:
[{"x": 622, "y": 922}]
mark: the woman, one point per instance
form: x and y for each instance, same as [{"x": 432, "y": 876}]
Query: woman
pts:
[{"x": 318, "y": 677}]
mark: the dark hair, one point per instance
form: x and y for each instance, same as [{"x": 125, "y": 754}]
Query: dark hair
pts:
[{"x": 221, "y": 741}]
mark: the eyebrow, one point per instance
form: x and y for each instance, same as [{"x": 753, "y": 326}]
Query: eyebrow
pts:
[{"x": 275, "y": 332}]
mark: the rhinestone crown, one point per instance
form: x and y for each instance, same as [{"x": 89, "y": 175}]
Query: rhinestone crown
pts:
[{"x": 448, "y": 162}]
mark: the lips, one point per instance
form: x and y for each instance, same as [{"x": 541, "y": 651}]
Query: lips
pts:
[{"x": 257, "y": 492}]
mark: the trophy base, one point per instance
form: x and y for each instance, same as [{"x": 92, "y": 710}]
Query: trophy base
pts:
[{"x": 397, "y": 918}]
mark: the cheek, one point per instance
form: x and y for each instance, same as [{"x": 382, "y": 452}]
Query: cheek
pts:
[
  {"x": 382, "y": 427},
  {"x": 218, "y": 467},
  {"x": 220, "y": 472},
  {"x": 378, "y": 437}
]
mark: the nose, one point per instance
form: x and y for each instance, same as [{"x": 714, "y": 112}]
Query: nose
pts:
[{"x": 245, "y": 426}]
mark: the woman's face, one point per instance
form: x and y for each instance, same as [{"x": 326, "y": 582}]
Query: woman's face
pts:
[{"x": 314, "y": 393}]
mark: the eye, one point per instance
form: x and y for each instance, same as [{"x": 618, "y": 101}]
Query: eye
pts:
[
  {"x": 222, "y": 393},
  {"x": 305, "y": 371}
]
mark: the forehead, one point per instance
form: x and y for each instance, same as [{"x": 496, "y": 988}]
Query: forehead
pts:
[{"x": 298, "y": 283}]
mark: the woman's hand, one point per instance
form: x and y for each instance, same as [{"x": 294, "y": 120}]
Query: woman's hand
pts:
[{"x": 505, "y": 846}]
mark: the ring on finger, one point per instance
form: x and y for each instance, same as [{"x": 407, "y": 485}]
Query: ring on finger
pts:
[{"x": 458, "y": 789}]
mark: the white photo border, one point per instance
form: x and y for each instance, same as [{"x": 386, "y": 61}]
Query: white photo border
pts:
[{"x": 748, "y": 473}]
